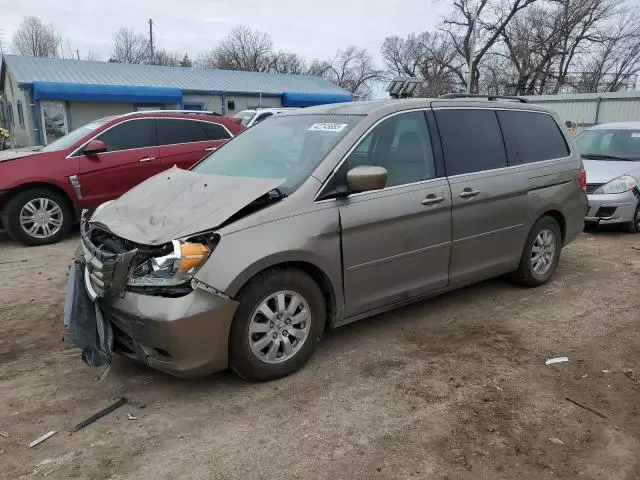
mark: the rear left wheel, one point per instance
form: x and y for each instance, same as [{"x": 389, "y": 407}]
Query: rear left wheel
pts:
[{"x": 541, "y": 253}]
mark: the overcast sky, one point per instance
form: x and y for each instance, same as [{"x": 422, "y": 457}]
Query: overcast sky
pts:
[{"x": 315, "y": 29}]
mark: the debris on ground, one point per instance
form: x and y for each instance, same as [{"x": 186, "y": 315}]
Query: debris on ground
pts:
[
  {"x": 4, "y": 434},
  {"x": 131, "y": 417},
  {"x": 630, "y": 374},
  {"x": 41, "y": 439},
  {"x": 606, "y": 371},
  {"x": 585, "y": 407},
  {"x": 100, "y": 414},
  {"x": 555, "y": 440},
  {"x": 553, "y": 361}
]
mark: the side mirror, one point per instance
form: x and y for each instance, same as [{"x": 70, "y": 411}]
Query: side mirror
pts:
[
  {"x": 365, "y": 178},
  {"x": 94, "y": 147}
]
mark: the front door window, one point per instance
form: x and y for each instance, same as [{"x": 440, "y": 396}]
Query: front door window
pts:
[{"x": 54, "y": 121}]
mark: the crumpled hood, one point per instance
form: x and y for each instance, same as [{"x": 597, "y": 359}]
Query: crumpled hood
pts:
[
  {"x": 14, "y": 154},
  {"x": 177, "y": 202},
  {"x": 603, "y": 171}
]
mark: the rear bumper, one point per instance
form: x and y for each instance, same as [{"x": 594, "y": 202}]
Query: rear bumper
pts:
[{"x": 607, "y": 209}]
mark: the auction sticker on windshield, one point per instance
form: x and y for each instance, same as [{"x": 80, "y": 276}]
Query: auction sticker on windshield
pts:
[{"x": 327, "y": 127}]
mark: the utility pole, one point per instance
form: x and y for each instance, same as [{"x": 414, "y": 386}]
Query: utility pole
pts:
[
  {"x": 472, "y": 47},
  {"x": 78, "y": 53},
  {"x": 151, "y": 40}
]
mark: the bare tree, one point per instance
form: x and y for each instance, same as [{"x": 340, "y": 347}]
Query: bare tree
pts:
[
  {"x": 615, "y": 61},
  {"x": 353, "y": 69},
  {"x": 578, "y": 25},
  {"x": 286, "y": 62},
  {"x": 430, "y": 56},
  {"x": 129, "y": 46},
  {"x": 405, "y": 57},
  {"x": 242, "y": 49},
  {"x": 493, "y": 16},
  {"x": 166, "y": 59},
  {"x": 36, "y": 39},
  {"x": 319, "y": 68}
]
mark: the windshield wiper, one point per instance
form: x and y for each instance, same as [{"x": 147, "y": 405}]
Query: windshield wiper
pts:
[{"x": 593, "y": 156}]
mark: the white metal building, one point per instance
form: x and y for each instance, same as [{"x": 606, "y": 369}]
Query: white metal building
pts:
[
  {"x": 45, "y": 98},
  {"x": 587, "y": 109}
]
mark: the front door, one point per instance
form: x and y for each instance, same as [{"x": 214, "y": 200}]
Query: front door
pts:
[
  {"x": 182, "y": 142},
  {"x": 395, "y": 241},
  {"x": 131, "y": 158},
  {"x": 489, "y": 200}
]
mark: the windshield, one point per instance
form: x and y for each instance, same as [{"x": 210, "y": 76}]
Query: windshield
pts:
[
  {"x": 76, "y": 135},
  {"x": 245, "y": 116},
  {"x": 610, "y": 144},
  {"x": 288, "y": 147}
]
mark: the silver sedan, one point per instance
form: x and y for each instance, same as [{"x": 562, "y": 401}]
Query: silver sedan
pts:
[{"x": 611, "y": 157}]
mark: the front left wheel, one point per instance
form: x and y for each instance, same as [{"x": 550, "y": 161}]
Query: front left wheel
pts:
[
  {"x": 277, "y": 325},
  {"x": 37, "y": 216}
]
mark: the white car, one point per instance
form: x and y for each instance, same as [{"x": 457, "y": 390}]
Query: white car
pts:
[{"x": 249, "y": 118}]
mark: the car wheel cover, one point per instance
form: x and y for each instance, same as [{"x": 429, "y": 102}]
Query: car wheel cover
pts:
[
  {"x": 41, "y": 218},
  {"x": 279, "y": 327},
  {"x": 543, "y": 252}
]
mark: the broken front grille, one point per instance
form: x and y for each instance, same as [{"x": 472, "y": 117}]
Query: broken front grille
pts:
[{"x": 107, "y": 267}]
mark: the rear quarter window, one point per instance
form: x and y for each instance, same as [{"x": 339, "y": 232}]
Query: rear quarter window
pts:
[
  {"x": 531, "y": 137},
  {"x": 471, "y": 140}
]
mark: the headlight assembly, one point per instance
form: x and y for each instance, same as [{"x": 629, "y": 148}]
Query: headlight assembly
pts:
[
  {"x": 176, "y": 268},
  {"x": 618, "y": 185}
]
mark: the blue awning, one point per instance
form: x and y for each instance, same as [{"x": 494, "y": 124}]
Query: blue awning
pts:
[
  {"x": 86, "y": 92},
  {"x": 309, "y": 99}
]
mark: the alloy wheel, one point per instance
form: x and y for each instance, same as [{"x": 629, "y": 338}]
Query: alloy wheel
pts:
[
  {"x": 41, "y": 218},
  {"x": 279, "y": 327},
  {"x": 543, "y": 252}
]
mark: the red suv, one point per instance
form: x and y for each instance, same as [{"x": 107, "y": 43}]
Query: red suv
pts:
[{"x": 43, "y": 191}]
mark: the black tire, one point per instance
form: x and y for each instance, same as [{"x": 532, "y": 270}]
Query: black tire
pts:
[
  {"x": 11, "y": 216},
  {"x": 525, "y": 274},
  {"x": 634, "y": 225},
  {"x": 241, "y": 358}
]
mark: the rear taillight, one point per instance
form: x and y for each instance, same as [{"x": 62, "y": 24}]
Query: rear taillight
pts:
[{"x": 582, "y": 178}]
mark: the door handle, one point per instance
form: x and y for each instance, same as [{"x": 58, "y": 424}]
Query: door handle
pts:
[
  {"x": 210, "y": 149},
  {"x": 146, "y": 159},
  {"x": 431, "y": 199},
  {"x": 468, "y": 193}
]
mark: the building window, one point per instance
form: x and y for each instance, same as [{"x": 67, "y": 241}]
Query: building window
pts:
[
  {"x": 20, "y": 113},
  {"x": 10, "y": 114}
]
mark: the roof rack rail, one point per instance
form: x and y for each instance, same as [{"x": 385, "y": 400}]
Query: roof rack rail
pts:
[{"x": 488, "y": 97}]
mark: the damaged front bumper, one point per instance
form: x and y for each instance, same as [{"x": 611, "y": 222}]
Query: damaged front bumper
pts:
[{"x": 185, "y": 336}]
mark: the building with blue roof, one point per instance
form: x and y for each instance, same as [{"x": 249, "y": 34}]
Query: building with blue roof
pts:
[{"x": 42, "y": 98}]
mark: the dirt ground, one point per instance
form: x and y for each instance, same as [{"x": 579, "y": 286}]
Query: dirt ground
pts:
[{"x": 451, "y": 388}]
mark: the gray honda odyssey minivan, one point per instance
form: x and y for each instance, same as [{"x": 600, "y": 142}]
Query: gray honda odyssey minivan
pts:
[{"x": 316, "y": 218}]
